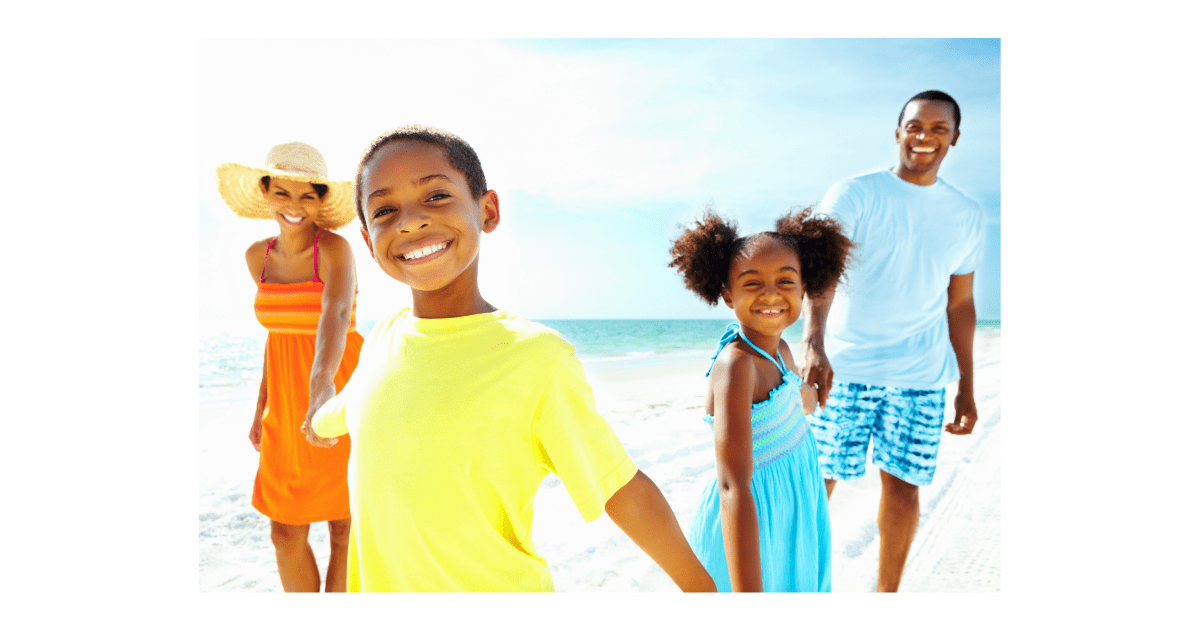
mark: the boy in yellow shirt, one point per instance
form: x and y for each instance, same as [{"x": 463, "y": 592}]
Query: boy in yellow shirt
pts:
[{"x": 457, "y": 409}]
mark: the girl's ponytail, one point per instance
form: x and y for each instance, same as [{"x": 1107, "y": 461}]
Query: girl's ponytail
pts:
[
  {"x": 703, "y": 254},
  {"x": 822, "y": 246}
]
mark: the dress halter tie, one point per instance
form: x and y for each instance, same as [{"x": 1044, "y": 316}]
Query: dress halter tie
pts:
[
  {"x": 733, "y": 331},
  {"x": 262, "y": 277}
]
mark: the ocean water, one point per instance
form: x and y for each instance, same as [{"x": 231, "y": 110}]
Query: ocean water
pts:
[{"x": 233, "y": 355}]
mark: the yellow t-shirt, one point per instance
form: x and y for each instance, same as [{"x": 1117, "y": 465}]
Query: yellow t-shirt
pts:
[{"x": 453, "y": 424}]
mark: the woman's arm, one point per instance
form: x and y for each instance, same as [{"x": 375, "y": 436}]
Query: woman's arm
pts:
[
  {"x": 254, "y": 255},
  {"x": 733, "y": 381},
  {"x": 642, "y": 512},
  {"x": 336, "y": 266},
  {"x": 256, "y": 426}
]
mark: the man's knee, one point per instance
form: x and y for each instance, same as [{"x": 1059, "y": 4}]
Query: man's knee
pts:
[{"x": 900, "y": 491}]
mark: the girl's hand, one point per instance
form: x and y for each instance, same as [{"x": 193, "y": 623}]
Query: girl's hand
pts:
[
  {"x": 256, "y": 434},
  {"x": 808, "y": 394}
]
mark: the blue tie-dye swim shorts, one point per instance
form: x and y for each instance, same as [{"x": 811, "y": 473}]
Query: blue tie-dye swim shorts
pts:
[{"x": 905, "y": 425}]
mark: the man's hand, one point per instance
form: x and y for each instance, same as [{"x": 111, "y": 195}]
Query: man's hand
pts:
[
  {"x": 317, "y": 396},
  {"x": 965, "y": 414},
  {"x": 816, "y": 370}
]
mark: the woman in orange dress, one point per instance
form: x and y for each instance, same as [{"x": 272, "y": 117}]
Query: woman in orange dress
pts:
[{"x": 306, "y": 299}]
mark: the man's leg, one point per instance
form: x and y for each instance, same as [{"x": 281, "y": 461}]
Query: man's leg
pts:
[
  {"x": 842, "y": 431},
  {"x": 906, "y": 444},
  {"x": 899, "y": 511}
]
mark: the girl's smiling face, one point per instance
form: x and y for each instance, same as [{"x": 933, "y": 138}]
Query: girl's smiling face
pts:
[
  {"x": 764, "y": 287},
  {"x": 423, "y": 226},
  {"x": 293, "y": 204}
]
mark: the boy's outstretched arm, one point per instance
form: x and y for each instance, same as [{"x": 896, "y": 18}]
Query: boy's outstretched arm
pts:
[{"x": 642, "y": 512}]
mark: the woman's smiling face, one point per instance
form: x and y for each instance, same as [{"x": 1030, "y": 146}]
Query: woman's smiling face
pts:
[
  {"x": 293, "y": 204},
  {"x": 423, "y": 226}
]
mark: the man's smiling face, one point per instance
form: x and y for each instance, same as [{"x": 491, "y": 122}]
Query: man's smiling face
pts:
[{"x": 925, "y": 135}]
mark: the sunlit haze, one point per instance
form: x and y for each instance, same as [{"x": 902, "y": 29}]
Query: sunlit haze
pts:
[{"x": 597, "y": 149}]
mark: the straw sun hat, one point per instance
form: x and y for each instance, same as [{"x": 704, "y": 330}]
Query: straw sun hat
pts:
[{"x": 241, "y": 186}]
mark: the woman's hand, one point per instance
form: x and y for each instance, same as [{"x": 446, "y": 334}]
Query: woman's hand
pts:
[
  {"x": 256, "y": 434},
  {"x": 318, "y": 396}
]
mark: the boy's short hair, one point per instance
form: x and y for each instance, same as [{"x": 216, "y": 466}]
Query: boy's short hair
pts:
[
  {"x": 932, "y": 95},
  {"x": 460, "y": 155}
]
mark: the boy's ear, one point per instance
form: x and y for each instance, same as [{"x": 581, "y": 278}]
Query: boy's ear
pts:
[
  {"x": 367, "y": 238},
  {"x": 490, "y": 205},
  {"x": 725, "y": 295}
]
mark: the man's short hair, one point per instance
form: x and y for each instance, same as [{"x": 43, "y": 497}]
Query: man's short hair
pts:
[{"x": 932, "y": 95}]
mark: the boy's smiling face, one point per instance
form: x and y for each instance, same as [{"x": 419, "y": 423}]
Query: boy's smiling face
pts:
[{"x": 423, "y": 226}]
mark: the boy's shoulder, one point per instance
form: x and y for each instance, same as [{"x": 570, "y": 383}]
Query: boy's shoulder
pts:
[
  {"x": 499, "y": 328},
  {"x": 533, "y": 334}
]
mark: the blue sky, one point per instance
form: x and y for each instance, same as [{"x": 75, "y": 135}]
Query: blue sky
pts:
[{"x": 597, "y": 149}]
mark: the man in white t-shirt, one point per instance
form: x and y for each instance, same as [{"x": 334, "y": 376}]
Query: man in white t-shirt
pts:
[{"x": 901, "y": 327}]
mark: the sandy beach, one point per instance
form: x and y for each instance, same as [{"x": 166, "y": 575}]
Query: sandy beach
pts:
[{"x": 656, "y": 411}]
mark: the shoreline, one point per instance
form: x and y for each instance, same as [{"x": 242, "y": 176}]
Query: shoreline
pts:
[{"x": 656, "y": 412}]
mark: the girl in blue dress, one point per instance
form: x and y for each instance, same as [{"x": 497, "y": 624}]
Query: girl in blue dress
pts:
[{"x": 763, "y": 522}]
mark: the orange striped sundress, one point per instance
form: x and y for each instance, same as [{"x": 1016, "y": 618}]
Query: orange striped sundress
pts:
[{"x": 298, "y": 483}]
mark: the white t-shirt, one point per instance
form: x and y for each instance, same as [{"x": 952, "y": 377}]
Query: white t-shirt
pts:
[{"x": 887, "y": 326}]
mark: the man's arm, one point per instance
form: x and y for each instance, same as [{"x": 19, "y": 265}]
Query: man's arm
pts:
[
  {"x": 817, "y": 371},
  {"x": 960, "y": 311}
]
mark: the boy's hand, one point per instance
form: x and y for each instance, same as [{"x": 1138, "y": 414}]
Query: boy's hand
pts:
[{"x": 642, "y": 512}]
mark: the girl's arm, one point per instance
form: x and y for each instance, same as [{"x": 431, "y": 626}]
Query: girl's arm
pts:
[
  {"x": 808, "y": 393},
  {"x": 337, "y": 271},
  {"x": 733, "y": 381},
  {"x": 642, "y": 512}
]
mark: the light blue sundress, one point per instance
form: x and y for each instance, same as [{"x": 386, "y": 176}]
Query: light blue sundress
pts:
[{"x": 788, "y": 489}]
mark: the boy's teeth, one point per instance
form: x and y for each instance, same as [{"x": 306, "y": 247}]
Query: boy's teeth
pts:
[
  {"x": 424, "y": 251},
  {"x": 922, "y": 150}
]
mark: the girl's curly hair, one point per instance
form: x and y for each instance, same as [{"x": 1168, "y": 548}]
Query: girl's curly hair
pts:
[
  {"x": 704, "y": 253},
  {"x": 821, "y": 245}
]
